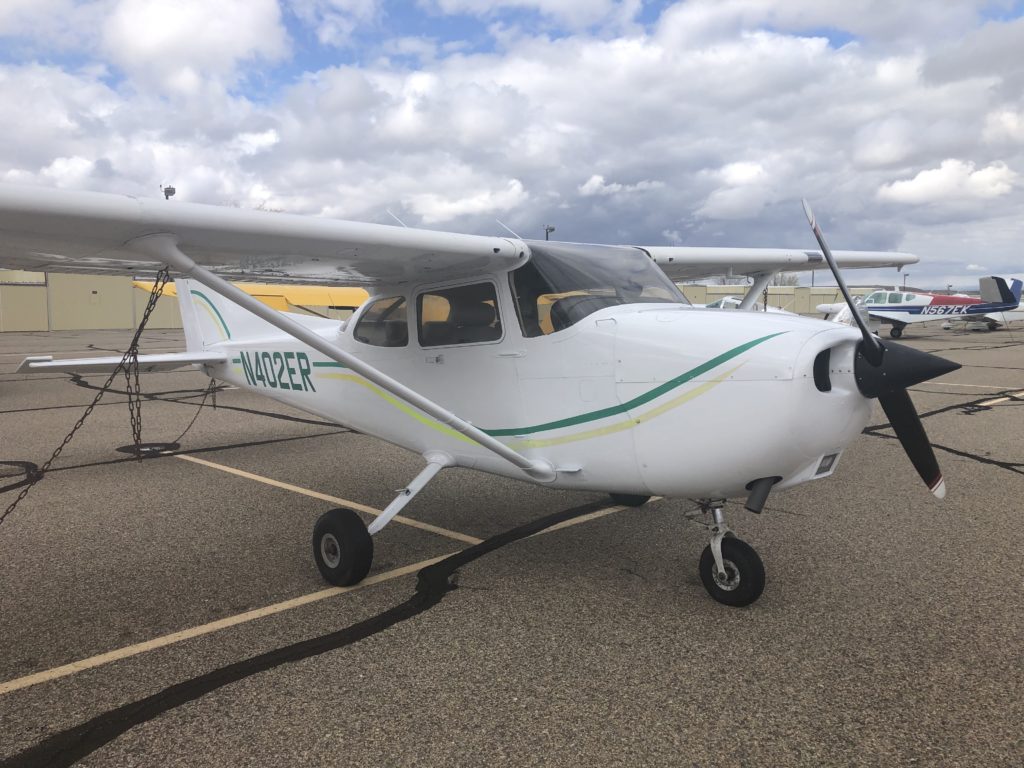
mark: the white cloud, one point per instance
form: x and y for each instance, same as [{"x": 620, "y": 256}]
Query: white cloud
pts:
[
  {"x": 706, "y": 127},
  {"x": 1004, "y": 125},
  {"x": 436, "y": 209},
  {"x": 976, "y": 268},
  {"x": 596, "y": 185},
  {"x": 954, "y": 180},
  {"x": 743, "y": 190},
  {"x": 180, "y": 46}
]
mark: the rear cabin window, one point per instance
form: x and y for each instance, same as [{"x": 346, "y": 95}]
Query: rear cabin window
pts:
[
  {"x": 466, "y": 314},
  {"x": 384, "y": 323}
]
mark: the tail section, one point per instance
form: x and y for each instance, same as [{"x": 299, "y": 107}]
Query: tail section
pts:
[
  {"x": 211, "y": 320},
  {"x": 995, "y": 291},
  {"x": 189, "y": 317}
]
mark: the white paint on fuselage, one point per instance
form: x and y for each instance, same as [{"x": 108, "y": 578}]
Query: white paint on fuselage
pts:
[{"x": 674, "y": 444}]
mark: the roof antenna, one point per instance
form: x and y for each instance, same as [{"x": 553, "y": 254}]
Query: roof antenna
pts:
[
  {"x": 517, "y": 237},
  {"x": 396, "y": 218}
]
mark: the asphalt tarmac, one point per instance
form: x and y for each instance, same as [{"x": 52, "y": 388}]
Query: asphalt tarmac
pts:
[{"x": 168, "y": 612}]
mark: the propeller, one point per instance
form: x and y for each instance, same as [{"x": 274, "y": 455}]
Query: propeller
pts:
[{"x": 886, "y": 371}]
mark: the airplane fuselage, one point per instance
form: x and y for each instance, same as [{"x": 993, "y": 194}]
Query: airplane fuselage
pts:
[{"x": 608, "y": 401}]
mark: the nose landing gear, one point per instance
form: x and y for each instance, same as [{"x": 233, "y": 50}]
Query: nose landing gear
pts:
[{"x": 730, "y": 569}]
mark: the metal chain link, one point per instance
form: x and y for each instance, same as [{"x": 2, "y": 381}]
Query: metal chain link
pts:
[
  {"x": 211, "y": 392},
  {"x": 129, "y": 362}
]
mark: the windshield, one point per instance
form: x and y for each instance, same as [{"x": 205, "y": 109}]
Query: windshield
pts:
[{"x": 563, "y": 283}]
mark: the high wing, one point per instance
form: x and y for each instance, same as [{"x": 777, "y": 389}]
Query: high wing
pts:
[
  {"x": 50, "y": 230},
  {"x": 693, "y": 263}
]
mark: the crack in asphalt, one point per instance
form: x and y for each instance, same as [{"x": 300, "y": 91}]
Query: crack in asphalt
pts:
[{"x": 66, "y": 747}]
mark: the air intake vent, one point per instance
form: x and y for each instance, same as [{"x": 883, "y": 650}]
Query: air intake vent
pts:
[{"x": 821, "y": 366}]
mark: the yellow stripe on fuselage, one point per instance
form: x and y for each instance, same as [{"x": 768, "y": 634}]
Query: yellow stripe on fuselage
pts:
[{"x": 610, "y": 429}]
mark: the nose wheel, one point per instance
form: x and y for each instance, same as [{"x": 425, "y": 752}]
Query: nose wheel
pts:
[{"x": 730, "y": 569}]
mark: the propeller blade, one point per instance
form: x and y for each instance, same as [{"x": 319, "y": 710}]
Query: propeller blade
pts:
[
  {"x": 899, "y": 408},
  {"x": 872, "y": 348},
  {"x": 885, "y": 371}
]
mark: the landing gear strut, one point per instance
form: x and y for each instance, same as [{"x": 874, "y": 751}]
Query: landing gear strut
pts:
[
  {"x": 730, "y": 569},
  {"x": 343, "y": 544}
]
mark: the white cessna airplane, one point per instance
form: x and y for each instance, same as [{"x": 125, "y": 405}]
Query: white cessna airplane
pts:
[{"x": 572, "y": 366}]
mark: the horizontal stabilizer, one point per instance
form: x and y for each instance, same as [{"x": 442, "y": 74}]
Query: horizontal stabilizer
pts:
[{"x": 147, "y": 363}]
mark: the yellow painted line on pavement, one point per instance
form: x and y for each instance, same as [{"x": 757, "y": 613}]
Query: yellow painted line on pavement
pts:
[
  {"x": 972, "y": 386},
  {"x": 333, "y": 499},
  {"x": 66, "y": 670},
  {"x": 1008, "y": 398},
  {"x": 204, "y": 629}
]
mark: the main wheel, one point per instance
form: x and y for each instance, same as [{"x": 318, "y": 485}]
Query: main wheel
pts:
[
  {"x": 629, "y": 499},
  {"x": 342, "y": 547},
  {"x": 744, "y": 573},
  {"x": 896, "y": 331}
]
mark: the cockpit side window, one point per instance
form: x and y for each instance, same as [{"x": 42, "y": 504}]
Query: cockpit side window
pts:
[
  {"x": 561, "y": 284},
  {"x": 895, "y": 298},
  {"x": 383, "y": 323},
  {"x": 878, "y": 297},
  {"x": 465, "y": 314}
]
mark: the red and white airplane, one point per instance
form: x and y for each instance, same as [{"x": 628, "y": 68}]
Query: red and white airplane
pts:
[{"x": 899, "y": 308}]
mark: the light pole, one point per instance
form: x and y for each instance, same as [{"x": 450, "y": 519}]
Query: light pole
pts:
[
  {"x": 905, "y": 276},
  {"x": 548, "y": 229}
]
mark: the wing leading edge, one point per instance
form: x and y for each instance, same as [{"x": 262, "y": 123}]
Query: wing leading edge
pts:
[
  {"x": 49, "y": 230},
  {"x": 693, "y": 263}
]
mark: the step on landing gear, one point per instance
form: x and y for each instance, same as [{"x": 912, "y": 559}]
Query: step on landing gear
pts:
[{"x": 730, "y": 569}]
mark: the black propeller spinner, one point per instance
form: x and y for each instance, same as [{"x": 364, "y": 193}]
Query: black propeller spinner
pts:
[{"x": 886, "y": 371}]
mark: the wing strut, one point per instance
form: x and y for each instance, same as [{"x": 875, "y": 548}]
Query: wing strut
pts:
[
  {"x": 165, "y": 248},
  {"x": 761, "y": 280}
]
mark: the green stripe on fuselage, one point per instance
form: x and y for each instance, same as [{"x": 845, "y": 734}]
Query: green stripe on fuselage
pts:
[
  {"x": 658, "y": 391},
  {"x": 215, "y": 310}
]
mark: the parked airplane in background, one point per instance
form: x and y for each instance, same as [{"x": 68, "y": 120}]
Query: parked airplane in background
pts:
[
  {"x": 596, "y": 393},
  {"x": 736, "y": 302},
  {"x": 899, "y": 308}
]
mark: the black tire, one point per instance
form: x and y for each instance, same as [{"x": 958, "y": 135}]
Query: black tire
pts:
[
  {"x": 896, "y": 332},
  {"x": 629, "y": 499},
  {"x": 342, "y": 547},
  {"x": 745, "y": 571}
]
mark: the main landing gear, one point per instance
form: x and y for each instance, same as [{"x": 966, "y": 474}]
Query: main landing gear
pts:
[
  {"x": 730, "y": 569},
  {"x": 343, "y": 544},
  {"x": 342, "y": 547},
  {"x": 896, "y": 331}
]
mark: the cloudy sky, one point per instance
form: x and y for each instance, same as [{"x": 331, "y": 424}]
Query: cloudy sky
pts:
[{"x": 698, "y": 123}]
